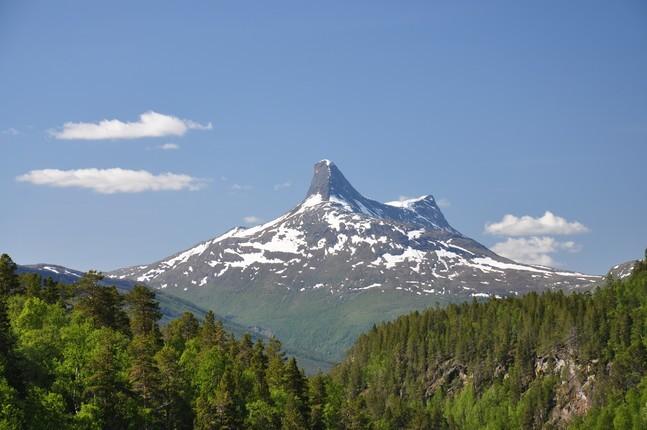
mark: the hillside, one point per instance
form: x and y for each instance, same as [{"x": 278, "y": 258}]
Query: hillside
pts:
[
  {"x": 539, "y": 361},
  {"x": 87, "y": 357}
]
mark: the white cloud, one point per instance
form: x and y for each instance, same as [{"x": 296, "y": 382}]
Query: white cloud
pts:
[
  {"x": 169, "y": 146},
  {"x": 150, "y": 124},
  {"x": 533, "y": 250},
  {"x": 404, "y": 198},
  {"x": 110, "y": 181},
  {"x": 282, "y": 186},
  {"x": 526, "y": 225},
  {"x": 252, "y": 220},
  {"x": 11, "y": 131},
  {"x": 443, "y": 203}
]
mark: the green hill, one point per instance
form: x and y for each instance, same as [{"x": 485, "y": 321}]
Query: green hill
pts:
[{"x": 538, "y": 361}]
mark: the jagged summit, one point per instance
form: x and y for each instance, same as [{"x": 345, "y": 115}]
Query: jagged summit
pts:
[
  {"x": 330, "y": 185},
  {"x": 328, "y": 181}
]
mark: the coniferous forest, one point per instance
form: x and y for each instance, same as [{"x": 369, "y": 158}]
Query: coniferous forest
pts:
[{"x": 84, "y": 356}]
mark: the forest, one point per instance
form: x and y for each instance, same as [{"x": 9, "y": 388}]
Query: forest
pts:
[{"x": 84, "y": 356}]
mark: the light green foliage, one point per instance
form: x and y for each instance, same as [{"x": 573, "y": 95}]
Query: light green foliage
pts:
[{"x": 37, "y": 329}]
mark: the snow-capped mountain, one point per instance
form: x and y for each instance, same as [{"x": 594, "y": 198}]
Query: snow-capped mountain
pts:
[
  {"x": 338, "y": 262},
  {"x": 341, "y": 242}
]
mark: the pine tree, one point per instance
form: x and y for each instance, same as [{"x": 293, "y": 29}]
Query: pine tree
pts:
[
  {"x": 51, "y": 291},
  {"x": 9, "y": 281},
  {"x": 105, "y": 386},
  {"x": 212, "y": 331},
  {"x": 178, "y": 331},
  {"x": 144, "y": 376},
  {"x": 30, "y": 284},
  {"x": 8, "y": 285},
  {"x": 174, "y": 405},
  {"x": 103, "y": 305},
  {"x": 144, "y": 312},
  {"x": 6, "y": 339}
]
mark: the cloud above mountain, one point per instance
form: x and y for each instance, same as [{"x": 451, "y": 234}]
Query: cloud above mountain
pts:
[
  {"x": 533, "y": 250},
  {"x": 252, "y": 220},
  {"x": 111, "y": 181},
  {"x": 547, "y": 224},
  {"x": 150, "y": 124},
  {"x": 529, "y": 239}
]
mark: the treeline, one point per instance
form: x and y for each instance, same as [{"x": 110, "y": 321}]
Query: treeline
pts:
[
  {"x": 516, "y": 363},
  {"x": 84, "y": 356}
]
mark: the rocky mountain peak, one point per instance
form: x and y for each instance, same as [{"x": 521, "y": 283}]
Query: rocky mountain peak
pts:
[
  {"x": 329, "y": 185},
  {"x": 328, "y": 181}
]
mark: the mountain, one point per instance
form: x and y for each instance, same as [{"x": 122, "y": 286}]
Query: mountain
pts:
[
  {"x": 623, "y": 270},
  {"x": 58, "y": 273},
  {"x": 337, "y": 263}
]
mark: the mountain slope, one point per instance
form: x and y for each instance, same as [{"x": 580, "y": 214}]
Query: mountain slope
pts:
[
  {"x": 538, "y": 361},
  {"x": 338, "y": 262}
]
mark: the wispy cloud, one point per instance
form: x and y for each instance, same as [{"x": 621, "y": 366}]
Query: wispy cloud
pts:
[
  {"x": 169, "y": 146},
  {"x": 110, "y": 181},
  {"x": 10, "y": 131},
  {"x": 533, "y": 250},
  {"x": 526, "y": 225},
  {"x": 150, "y": 124},
  {"x": 239, "y": 187},
  {"x": 283, "y": 185},
  {"x": 252, "y": 220},
  {"x": 443, "y": 203}
]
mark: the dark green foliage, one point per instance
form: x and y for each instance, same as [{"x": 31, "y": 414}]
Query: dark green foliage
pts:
[
  {"x": 103, "y": 305},
  {"x": 475, "y": 365},
  {"x": 9, "y": 282},
  {"x": 143, "y": 311}
]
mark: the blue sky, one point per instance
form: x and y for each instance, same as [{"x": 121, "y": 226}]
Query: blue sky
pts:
[{"x": 495, "y": 107}]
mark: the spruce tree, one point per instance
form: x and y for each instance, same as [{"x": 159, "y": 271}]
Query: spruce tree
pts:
[
  {"x": 317, "y": 401},
  {"x": 275, "y": 364}
]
